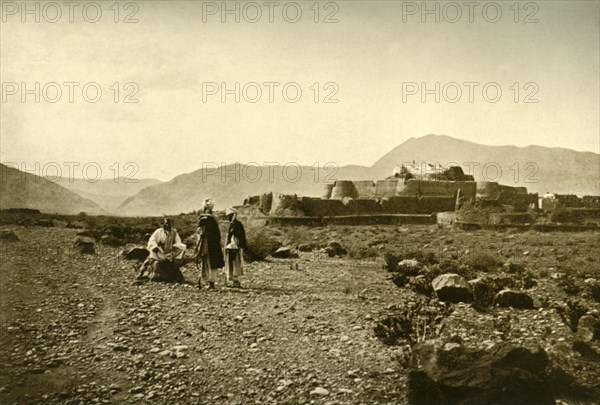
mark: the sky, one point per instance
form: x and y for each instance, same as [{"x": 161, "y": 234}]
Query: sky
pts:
[{"x": 369, "y": 73}]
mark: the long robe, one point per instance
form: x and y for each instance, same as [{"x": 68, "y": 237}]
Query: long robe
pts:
[
  {"x": 169, "y": 244},
  {"x": 235, "y": 262},
  {"x": 210, "y": 253}
]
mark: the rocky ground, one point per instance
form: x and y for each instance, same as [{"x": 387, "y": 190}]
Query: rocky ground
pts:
[{"x": 74, "y": 329}]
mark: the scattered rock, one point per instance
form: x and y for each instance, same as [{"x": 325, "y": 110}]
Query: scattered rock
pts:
[
  {"x": 588, "y": 328},
  {"x": 504, "y": 374},
  {"x": 513, "y": 299},
  {"x": 586, "y": 351},
  {"x": 285, "y": 252},
  {"x": 136, "y": 253},
  {"x": 452, "y": 288},
  {"x": 335, "y": 249},
  {"x": 319, "y": 391},
  {"x": 111, "y": 240},
  {"x": 85, "y": 245},
  {"x": 8, "y": 235},
  {"x": 305, "y": 247},
  {"x": 409, "y": 266}
]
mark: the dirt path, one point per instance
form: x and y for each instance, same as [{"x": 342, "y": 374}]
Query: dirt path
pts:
[{"x": 74, "y": 330}]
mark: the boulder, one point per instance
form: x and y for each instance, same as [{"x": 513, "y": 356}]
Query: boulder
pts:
[
  {"x": 8, "y": 235},
  {"x": 285, "y": 252},
  {"x": 305, "y": 247},
  {"x": 111, "y": 240},
  {"x": 85, "y": 245},
  {"x": 453, "y": 375},
  {"x": 136, "y": 253},
  {"x": 513, "y": 299},
  {"x": 165, "y": 271},
  {"x": 335, "y": 249},
  {"x": 452, "y": 288},
  {"x": 410, "y": 267},
  {"x": 588, "y": 328}
]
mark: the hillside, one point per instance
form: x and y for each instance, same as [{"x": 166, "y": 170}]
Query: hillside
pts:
[
  {"x": 107, "y": 193},
  {"x": 559, "y": 170},
  {"x": 185, "y": 192},
  {"x": 25, "y": 190}
]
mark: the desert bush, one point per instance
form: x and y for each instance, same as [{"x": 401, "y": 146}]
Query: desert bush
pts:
[
  {"x": 391, "y": 261},
  {"x": 421, "y": 285},
  {"x": 393, "y": 258},
  {"x": 570, "y": 312},
  {"x": 431, "y": 272},
  {"x": 482, "y": 262},
  {"x": 568, "y": 285},
  {"x": 485, "y": 291},
  {"x": 400, "y": 279},
  {"x": 412, "y": 323},
  {"x": 595, "y": 291},
  {"x": 362, "y": 252},
  {"x": 261, "y": 243},
  {"x": 392, "y": 329}
]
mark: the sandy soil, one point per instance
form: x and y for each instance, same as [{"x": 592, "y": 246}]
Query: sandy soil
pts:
[{"x": 76, "y": 330}]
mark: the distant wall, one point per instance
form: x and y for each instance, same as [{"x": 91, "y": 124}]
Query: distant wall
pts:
[
  {"x": 468, "y": 189},
  {"x": 318, "y": 207},
  {"x": 387, "y": 188},
  {"x": 365, "y": 188},
  {"x": 344, "y": 189}
]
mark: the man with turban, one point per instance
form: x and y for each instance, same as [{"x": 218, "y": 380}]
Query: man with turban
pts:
[
  {"x": 164, "y": 244},
  {"x": 208, "y": 250},
  {"x": 236, "y": 242}
]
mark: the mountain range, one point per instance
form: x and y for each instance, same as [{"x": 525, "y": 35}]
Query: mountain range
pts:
[
  {"x": 25, "y": 190},
  {"x": 538, "y": 168}
]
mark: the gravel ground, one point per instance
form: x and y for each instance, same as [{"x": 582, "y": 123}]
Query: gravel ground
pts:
[{"x": 75, "y": 329}]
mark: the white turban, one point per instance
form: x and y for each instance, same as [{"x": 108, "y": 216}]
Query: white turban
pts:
[
  {"x": 208, "y": 203},
  {"x": 231, "y": 210}
]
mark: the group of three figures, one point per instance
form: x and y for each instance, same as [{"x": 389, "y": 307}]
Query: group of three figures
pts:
[
  {"x": 209, "y": 253},
  {"x": 165, "y": 247}
]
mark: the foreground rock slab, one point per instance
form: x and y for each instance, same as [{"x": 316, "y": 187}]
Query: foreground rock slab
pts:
[{"x": 452, "y": 374}]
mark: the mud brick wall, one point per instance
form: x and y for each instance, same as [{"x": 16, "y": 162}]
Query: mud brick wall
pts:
[
  {"x": 380, "y": 220},
  {"x": 328, "y": 190},
  {"x": 521, "y": 201},
  {"x": 294, "y": 221},
  {"x": 429, "y": 204},
  {"x": 386, "y": 188},
  {"x": 365, "y": 188},
  {"x": 283, "y": 202},
  {"x": 492, "y": 190},
  {"x": 364, "y": 206},
  {"x": 569, "y": 200},
  {"x": 344, "y": 189},
  {"x": 252, "y": 200},
  {"x": 400, "y": 204},
  {"x": 265, "y": 202},
  {"x": 496, "y": 218},
  {"x": 591, "y": 201},
  {"x": 317, "y": 207},
  {"x": 414, "y": 187}
]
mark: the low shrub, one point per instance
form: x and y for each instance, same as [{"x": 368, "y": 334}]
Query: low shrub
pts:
[
  {"x": 412, "y": 323},
  {"x": 482, "y": 262},
  {"x": 393, "y": 258},
  {"x": 571, "y": 311},
  {"x": 261, "y": 243}
]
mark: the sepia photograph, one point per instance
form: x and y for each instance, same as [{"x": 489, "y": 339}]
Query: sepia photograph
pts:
[{"x": 300, "y": 202}]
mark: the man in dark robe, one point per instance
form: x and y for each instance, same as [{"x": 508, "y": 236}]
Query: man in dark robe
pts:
[{"x": 208, "y": 250}]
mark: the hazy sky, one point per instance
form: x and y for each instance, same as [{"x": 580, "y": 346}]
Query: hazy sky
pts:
[{"x": 370, "y": 57}]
